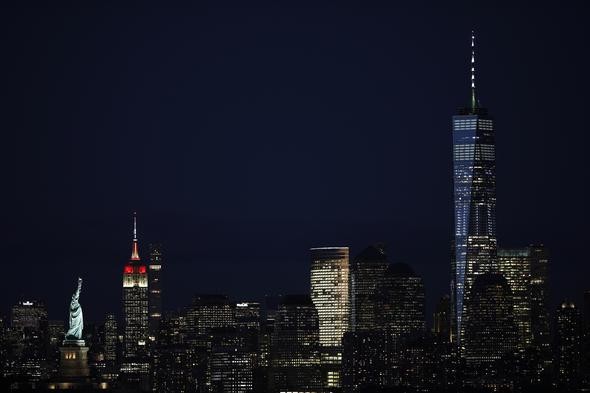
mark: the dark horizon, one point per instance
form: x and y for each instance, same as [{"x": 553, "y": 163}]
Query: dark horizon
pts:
[{"x": 243, "y": 136}]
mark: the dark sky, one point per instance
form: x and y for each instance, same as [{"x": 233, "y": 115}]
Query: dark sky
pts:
[{"x": 243, "y": 135}]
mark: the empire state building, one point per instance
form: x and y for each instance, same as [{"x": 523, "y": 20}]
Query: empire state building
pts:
[
  {"x": 474, "y": 176},
  {"x": 135, "y": 302}
]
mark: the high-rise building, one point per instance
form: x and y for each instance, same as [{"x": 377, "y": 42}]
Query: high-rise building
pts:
[
  {"x": 401, "y": 302},
  {"x": 366, "y": 274},
  {"x": 135, "y": 301},
  {"x": 29, "y": 341},
  {"x": 155, "y": 290},
  {"x": 567, "y": 345},
  {"x": 442, "y": 319},
  {"x": 248, "y": 315},
  {"x": 110, "y": 339},
  {"x": 515, "y": 266},
  {"x": 232, "y": 360},
  {"x": 540, "y": 326},
  {"x": 490, "y": 330},
  {"x": 474, "y": 175},
  {"x": 330, "y": 296},
  {"x": 28, "y": 314},
  {"x": 177, "y": 363},
  {"x": 135, "y": 363},
  {"x": 295, "y": 355},
  {"x": 210, "y": 311}
]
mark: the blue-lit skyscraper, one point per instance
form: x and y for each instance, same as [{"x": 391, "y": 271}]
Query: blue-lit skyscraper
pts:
[{"x": 474, "y": 175}]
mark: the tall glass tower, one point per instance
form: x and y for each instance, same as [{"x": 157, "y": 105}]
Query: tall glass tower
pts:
[
  {"x": 474, "y": 175},
  {"x": 330, "y": 296}
]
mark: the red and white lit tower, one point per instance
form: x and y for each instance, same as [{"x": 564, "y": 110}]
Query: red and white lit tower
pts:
[{"x": 135, "y": 302}]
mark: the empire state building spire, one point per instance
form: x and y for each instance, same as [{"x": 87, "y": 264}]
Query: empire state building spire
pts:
[{"x": 135, "y": 248}]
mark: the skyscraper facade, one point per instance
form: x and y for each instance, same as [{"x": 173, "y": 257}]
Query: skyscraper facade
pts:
[
  {"x": 540, "y": 330},
  {"x": 295, "y": 355},
  {"x": 474, "y": 175},
  {"x": 401, "y": 302},
  {"x": 135, "y": 301},
  {"x": 28, "y": 314},
  {"x": 330, "y": 296},
  {"x": 366, "y": 275},
  {"x": 568, "y": 345},
  {"x": 490, "y": 330},
  {"x": 155, "y": 290},
  {"x": 248, "y": 315},
  {"x": 110, "y": 339},
  {"x": 135, "y": 367},
  {"x": 210, "y": 311},
  {"x": 515, "y": 266}
]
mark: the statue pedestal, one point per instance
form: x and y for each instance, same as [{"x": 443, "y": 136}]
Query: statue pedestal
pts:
[{"x": 73, "y": 360}]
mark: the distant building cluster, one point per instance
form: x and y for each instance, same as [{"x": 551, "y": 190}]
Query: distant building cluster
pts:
[{"x": 361, "y": 328}]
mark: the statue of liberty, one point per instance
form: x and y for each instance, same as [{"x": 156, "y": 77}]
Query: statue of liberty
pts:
[{"x": 76, "y": 319}]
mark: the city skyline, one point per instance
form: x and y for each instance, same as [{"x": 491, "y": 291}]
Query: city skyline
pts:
[
  {"x": 75, "y": 223},
  {"x": 297, "y": 217}
]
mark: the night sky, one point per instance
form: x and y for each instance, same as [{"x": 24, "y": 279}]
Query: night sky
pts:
[{"x": 243, "y": 135}]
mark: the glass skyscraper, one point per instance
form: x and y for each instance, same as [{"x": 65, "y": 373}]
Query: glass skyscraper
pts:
[
  {"x": 474, "y": 175},
  {"x": 366, "y": 278},
  {"x": 330, "y": 296},
  {"x": 515, "y": 265}
]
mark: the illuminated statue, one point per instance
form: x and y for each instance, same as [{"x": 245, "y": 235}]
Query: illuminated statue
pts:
[{"x": 76, "y": 320}]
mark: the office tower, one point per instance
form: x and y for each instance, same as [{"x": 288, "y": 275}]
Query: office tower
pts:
[
  {"x": 474, "y": 177},
  {"x": 330, "y": 296},
  {"x": 28, "y": 314},
  {"x": 110, "y": 340},
  {"x": 248, "y": 315},
  {"x": 209, "y": 312},
  {"x": 515, "y": 266},
  {"x": 28, "y": 343},
  {"x": 135, "y": 364},
  {"x": 295, "y": 357},
  {"x": 155, "y": 290},
  {"x": 401, "y": 302},
  {"x": 490, "y": 330},
  {"x": 233, "y": 359},
  {"x": 442, "y": 319},
  {"x": 540, "y": 330},
  {"x": 366, "y": 273},
  {"x": 567, "y": 346},
  {"x": 175, "y": 359}
]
